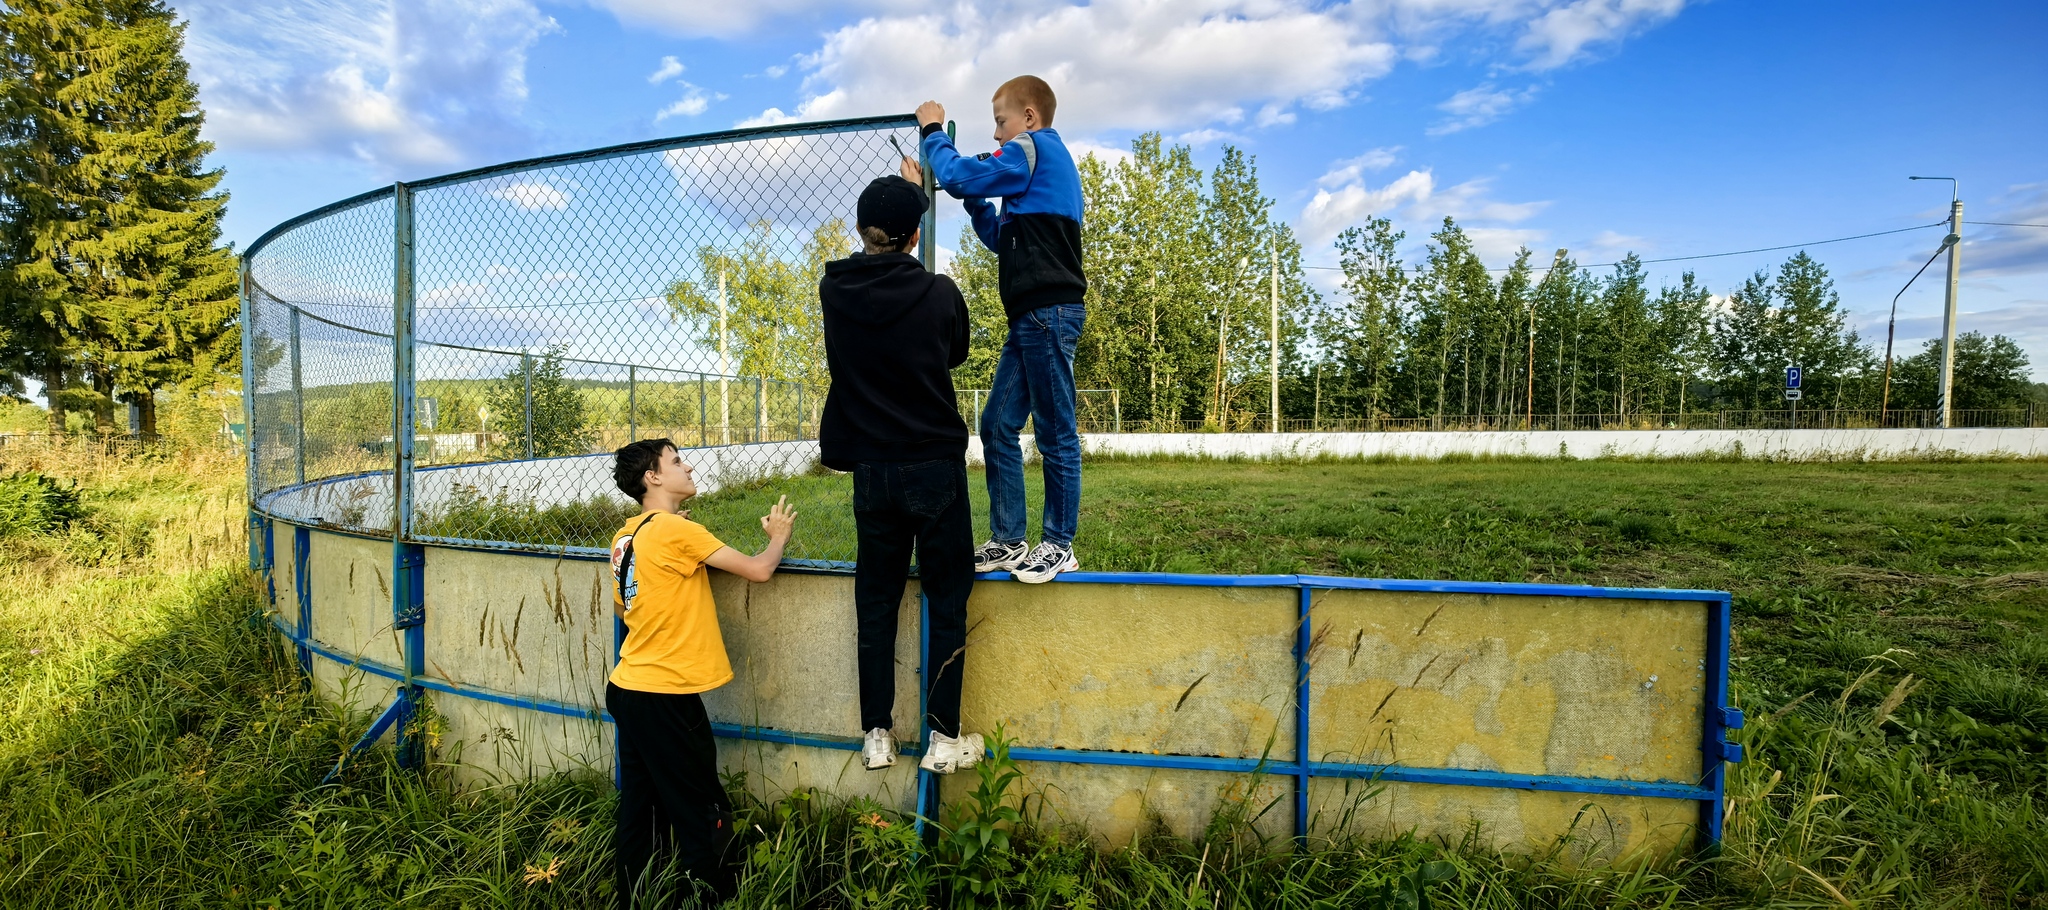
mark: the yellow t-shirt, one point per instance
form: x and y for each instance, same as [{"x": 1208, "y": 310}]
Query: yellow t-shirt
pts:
[{"x": 672, "y": 642}]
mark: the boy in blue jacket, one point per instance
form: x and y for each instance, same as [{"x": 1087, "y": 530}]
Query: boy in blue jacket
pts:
[{"x": 1036, "y": 236}]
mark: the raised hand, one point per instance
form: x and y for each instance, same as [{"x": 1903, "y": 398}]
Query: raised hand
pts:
[{"x": 779, "y": 520}]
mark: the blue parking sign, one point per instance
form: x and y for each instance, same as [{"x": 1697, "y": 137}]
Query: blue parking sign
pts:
[{"x": 1792, "y": 377}]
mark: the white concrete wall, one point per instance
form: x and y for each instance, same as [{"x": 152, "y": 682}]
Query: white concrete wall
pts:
[{"x": 1786, "y": 445}]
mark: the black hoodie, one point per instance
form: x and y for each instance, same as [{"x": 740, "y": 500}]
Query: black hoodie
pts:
[{"x": 893, "y": 334}]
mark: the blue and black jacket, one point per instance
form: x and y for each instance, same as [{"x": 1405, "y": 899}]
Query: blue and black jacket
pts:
[{"x": 1037, "y": 234}]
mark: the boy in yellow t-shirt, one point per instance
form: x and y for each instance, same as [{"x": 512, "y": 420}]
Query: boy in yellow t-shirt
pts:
[{"x": 670, "y": 799}]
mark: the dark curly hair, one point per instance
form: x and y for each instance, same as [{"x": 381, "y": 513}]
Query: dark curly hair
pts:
[{"x": 631, "y": 464}]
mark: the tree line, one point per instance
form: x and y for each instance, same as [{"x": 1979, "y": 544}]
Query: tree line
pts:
[
  {"x": 113, "y": 283},
  {"x": 1183, "y": 268}
]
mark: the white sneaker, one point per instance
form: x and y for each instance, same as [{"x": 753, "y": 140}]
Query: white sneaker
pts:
[
  {"x": 1048, "y": 560},
  {"x": 996, "y": 556},
  {"x": 879, "y": 750},
  {"x": 946, "y": 754}
]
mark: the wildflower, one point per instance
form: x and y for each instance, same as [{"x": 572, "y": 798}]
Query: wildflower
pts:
[
  {"x": 874, "y": 819},
  {"x": 536, "y": 875}
]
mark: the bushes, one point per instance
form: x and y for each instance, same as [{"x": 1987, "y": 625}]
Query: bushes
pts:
[{"x": 32, "y": 503}]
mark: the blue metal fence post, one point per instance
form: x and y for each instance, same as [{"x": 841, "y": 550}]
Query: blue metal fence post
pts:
[
  {"x": 408, "y": 587},
  {"x": 927, "y": 782},
  {"x": 302, "y": 590},
  {"x": 298, "y": 403},
  {"x": 1719, "y": 718},
  {"x": 249, "y": 411},
  {"x": 1302, "y": 639}
]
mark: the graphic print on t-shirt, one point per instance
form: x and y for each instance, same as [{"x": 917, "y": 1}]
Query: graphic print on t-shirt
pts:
[{"x": 627, "y": 586}]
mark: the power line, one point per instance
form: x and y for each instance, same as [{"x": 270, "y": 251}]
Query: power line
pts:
[
  {"x": 1767, "y": 249},
  {"x": 2006, "y": 224}
]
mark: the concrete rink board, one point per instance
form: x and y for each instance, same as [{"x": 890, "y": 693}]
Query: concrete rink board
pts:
[
  {"x": 350, "y": 581},
  {"x": 284, "y": 574},
  {"x": 1572, "y": 686},
  {"x": 1118, "y": 804},
  {"x": 1591, "y": 687},
  {"x": 1579, "y": 827},
  {"x": 791, "y": 642},
  {"x": 774, "y": 769},
  {"x": 519, "y": 623},
  {"x": 485, "y": 743},
  {"x": 1154, "y": 669}
]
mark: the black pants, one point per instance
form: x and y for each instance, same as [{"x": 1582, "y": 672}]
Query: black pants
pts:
[
  {"x": 896, "y": 505},
  {"x": 671, "y": 805}
]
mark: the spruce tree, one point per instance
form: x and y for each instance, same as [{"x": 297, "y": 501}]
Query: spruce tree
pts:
[{"x": 117, "y": 287}]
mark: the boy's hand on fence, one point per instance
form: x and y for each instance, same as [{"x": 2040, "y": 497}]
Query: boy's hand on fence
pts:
[
  {"x": 910, "y": 171},
  {"x": 778, "y": 520},
  {"x": 929, "y": 113}
]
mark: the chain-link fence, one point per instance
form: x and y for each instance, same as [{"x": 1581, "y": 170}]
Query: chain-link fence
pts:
[{"x": 535, "y": 316}]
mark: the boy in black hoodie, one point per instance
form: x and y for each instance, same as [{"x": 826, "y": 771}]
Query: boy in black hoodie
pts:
[{"x": 893, "y": 333}]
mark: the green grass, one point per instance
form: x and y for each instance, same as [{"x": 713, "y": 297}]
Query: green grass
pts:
[{"x": 157, "y": 748}]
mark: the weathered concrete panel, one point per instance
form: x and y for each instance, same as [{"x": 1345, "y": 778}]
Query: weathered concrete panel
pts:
[
  {"x": 1583, "y": 827},
  {"x": 1118, "y": 804},
  {"x": 1547, "y": 685},
  {"x": 351, "y": 581},
  {"x": 284, "y": 576},
  {"x": 519, "y": 624},
  {"x": 486, "y": 743},
  {"x": 1584, "y": 687},
  {"x": 774, "y": 769},
  {"x": 1133, "y": 668},
  {"x": 792, "y": 646}
]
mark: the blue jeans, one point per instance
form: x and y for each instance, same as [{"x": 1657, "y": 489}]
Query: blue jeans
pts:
[{"x": 1035, "y": 379}]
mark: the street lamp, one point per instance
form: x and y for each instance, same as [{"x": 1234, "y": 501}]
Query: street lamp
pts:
[
  {"x": 1891, "y": 328},
  {"x": 1948, "y": 320}
]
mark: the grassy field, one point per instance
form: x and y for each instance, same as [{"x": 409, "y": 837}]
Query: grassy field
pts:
[{"x": 157, "y": 748}]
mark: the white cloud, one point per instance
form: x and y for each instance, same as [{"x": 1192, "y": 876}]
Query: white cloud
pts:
[
  {"x": 530, "y": 196},
  {"x": 695, "y": 101},
  {"x": 690, "y": 106},
  {"x": 1614, "y": 243},
  {"x": 2002, "y": 250},
  {"x": 776, "y": 72},
  {"x": 669, "y": 69},
  {"x": 398, "y": 84},
  {"x": 1413, "y": 199},
  {"x": 1561, "y": 35},
  {"x": 1478, "y": 106},
  {"x": 1351, "y": 170},
  {"x": 769, "y": 117},
  {"x": 725, "y": 18},
  {"x": 1116, "y": 64},
  {"x": 1333, "y": 210},
  {"x": 1497, "y": 246}
]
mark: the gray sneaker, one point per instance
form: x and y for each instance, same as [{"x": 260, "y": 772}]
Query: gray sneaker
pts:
[
  {"x": 1045, "y": 562},
  {"x": 878, "y": 749},
  {"x": 996, "y": 556}
]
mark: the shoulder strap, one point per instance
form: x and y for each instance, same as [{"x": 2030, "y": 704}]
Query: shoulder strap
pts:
[{"x": 625, "y": 570}]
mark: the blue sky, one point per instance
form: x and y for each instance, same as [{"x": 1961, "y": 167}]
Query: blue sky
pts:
[{"x": 1666, "y": 127}]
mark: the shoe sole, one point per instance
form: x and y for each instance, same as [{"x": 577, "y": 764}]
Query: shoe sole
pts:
[
  {"x": 1070, "y": 565},
  {"x": 891, "y": 763}
]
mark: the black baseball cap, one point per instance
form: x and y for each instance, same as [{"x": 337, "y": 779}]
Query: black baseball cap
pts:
[{"x": 894, "y": 205}]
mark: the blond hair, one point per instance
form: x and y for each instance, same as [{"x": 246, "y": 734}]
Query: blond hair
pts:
[{"x": 1031, "y": 92}]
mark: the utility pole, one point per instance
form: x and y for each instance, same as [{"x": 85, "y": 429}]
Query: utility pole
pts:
[
  {"x": 724, "y": 370},
  {"x": 1948, "y": 319},
  {"x": 1529, "y": 409},
  {"x": 1274, "y": 339}
]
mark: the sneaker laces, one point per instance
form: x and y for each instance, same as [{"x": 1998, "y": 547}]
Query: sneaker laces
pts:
[{"x": 1045, "y": 553}]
